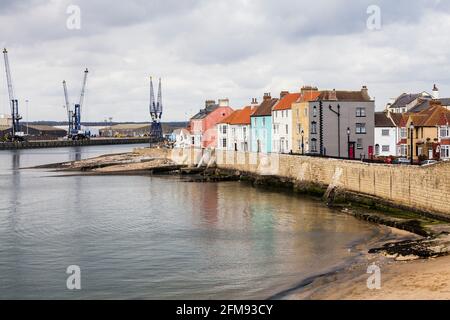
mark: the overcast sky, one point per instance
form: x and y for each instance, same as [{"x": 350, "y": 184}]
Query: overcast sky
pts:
[{"x": 237, "y": 49}]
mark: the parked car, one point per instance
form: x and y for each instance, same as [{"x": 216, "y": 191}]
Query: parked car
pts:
[
  {"x": 428, "y": 162},
  {"x": 401, "y": 161}
]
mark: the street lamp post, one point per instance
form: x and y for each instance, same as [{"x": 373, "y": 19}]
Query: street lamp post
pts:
[
  {"x": 338, "y": 113},
  {"x": 411, "y": 126},
  {"x": 348, "y": 142},
  {"x": 303, "y": 142}
]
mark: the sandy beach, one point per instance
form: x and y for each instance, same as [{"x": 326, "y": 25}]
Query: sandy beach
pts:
[{"x": 424, "y": 279}]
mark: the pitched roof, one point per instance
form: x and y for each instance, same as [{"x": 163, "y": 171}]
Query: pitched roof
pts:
[
  {"x": 227, "y": 120},
  {"x": 180, "y": 131},
  {"x": 239, "y": 117},
  {"x": 383, "y": 121},
  {"x": 265, "y": 108},
  {"x": 425, "y": 104},
  {"x": 307, "y": 96},
  {"x": 396, "y": 118},
  {"x": 204, "y": 112},
  {"x": 286, "y": 102},
  {"x": 335, "y": 95},
  {"x": 435, "y": 115},
  {"x": 43, "y": 127},
  {"x": 404, "y": 99}
]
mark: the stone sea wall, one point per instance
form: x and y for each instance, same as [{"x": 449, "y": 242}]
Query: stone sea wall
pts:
[{"x": 425, "y": 189}]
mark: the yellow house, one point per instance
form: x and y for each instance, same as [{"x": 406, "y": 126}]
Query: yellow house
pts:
[
  {"x": 425, "y": 128},
  {"x": 300, "y": 119}
]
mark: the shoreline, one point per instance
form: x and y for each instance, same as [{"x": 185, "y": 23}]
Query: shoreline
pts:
[
  {"x": 424, "y": 279},
  {"x": 307, "y": 286},
  {"x": 392, "y": 249}
]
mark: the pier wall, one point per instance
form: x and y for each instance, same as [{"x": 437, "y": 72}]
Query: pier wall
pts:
[
  {"x": 69, "y": 143},
  {"x": 425, "y": 189}
]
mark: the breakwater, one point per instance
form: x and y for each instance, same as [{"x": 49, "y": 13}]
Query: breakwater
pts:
[
  {"x": 69, "y": 143},
  {"x": 421, "y": 189}
]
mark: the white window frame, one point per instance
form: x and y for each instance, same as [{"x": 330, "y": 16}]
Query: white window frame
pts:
[{"x": 445, "y": 151}]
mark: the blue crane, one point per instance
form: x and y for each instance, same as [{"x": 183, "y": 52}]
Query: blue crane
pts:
[
  {"x": 156, "y": 108},
  {"x": 16, "y": 133},
  {"x": 74, "y": 116}
]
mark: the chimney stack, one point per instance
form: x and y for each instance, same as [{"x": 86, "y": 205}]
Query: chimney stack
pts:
[
  {"x": 224, "y": 102},
  {"x": 365, "y": 93},
  {"x": 283, "y": 94},
  {"x": 332, "y": 96},
  {"x": 254, "y": 102},
  {"x": 267, "y": 96},
  {"x": 435, "y": 92},
  {"x": 305, "y": 89},
  {"x": 209, "y": 103}
]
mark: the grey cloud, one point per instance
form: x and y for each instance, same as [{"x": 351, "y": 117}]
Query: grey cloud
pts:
[{"x": 210, "y": 49}]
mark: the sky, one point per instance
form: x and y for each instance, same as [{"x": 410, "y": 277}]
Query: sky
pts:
[{"x": 236, "y": 49}]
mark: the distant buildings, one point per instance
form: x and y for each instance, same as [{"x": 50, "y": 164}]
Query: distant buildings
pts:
[
  {"x": 126, "y": 130},
  {"x": 333, "y": 123},
  {"x": 416, "y": 102},
  {"x": 182, "y": 138},
  {"x": 425, "y": 135},
  {"x": 36, "y": 132}
]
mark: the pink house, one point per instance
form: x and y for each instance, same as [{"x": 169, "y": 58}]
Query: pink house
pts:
[{"x": 203, "y": 124}]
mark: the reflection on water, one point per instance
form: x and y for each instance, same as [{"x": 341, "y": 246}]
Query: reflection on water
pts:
[{"x": 149, "y": 237}]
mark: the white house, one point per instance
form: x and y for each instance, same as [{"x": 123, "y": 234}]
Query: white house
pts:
[
  {"x": 282, "y": 122},
  {"x": 182, "y": 138},
  {"x": 386, "y": 135},
  {"x": 233, "y": 132}
]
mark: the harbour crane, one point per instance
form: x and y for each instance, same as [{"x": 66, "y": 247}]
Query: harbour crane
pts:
[
  {"x": 69, "y": 111},
  {"x": 75, "y": 132},
  {"x": 156, "y": 110},
  {"x": 16, "y": 133}
]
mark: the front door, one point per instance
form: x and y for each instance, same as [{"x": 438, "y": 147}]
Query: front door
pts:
[{"x": 351, "y": 150}]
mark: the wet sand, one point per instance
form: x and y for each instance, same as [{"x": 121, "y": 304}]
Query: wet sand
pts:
[{"x": 424, "y": 279}]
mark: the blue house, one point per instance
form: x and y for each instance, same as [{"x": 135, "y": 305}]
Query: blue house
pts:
[{"x": 261, "y": 125}]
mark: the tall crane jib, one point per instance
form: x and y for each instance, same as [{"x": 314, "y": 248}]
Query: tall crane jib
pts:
[
  {"x": 16, "y": 133},
  {"x": 75, "y": 131},
  {"x": 156, "y": 109}
]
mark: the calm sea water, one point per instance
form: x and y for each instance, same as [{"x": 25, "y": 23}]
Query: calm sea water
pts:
[{"x": 142, "y": 237}]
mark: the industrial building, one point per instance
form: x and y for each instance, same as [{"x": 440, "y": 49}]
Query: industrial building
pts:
[
  {"x": 126, "y": 130},
  {"x": 33, "y": 131}
]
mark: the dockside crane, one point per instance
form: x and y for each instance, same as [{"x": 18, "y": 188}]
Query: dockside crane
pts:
[
  {"x": 69, "y": 111},
  {"x": 75, "y": 132},
  {"x": 16, "y": 133},
  {"x": 156, "y": 109}
]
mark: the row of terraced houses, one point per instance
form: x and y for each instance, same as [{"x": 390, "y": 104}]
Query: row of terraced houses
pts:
[{"x": 335, "y": 123}]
